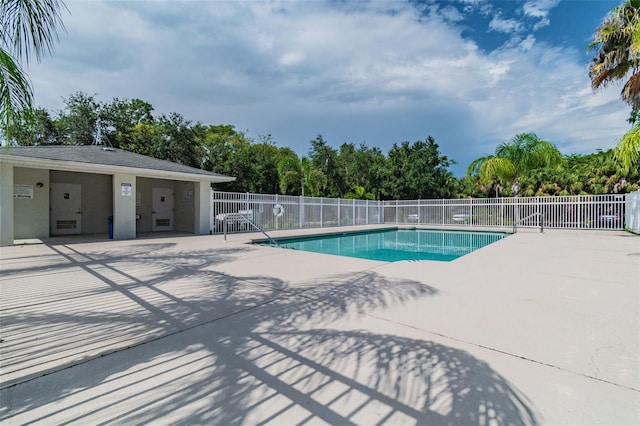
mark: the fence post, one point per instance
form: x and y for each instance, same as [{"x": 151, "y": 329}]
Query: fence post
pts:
[
  {"x": 339, "y": 220},
  {"x": 211, "y": 213},
  {"x": 631, "y": 212},
  {"x": 396, "y": 212},
  {"x": 301, "y": 210},
  {"x": 321, "y": 206},
  {"x": 276, "y": 217},
  {"x": 580, "y": 211},
  {"x": 353, "y": 209},
  {"x": 366, "y": 212}
]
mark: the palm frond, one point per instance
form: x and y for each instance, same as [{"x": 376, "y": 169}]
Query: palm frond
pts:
[
  {"x": 616, "y": 47},
  {"x": 542, "y": 154},
  {"x": 29, "y": 27},
  {"x": 627, "y": 152},
  {"x": 631, "y": 91},
  {"x": 15, "y": 92},
  {"x": 501, "y": 168},
  {"x": 476, "y": 165}
]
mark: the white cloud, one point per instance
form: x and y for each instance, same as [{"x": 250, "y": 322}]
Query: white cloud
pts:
[
  {"x": 363, "y": 72},
  {"x": 527, "y": 43},
  {"x": 451, "y": 14},
  {"x": 539, "y": 9},
  {"x": 507, "y": 26}
]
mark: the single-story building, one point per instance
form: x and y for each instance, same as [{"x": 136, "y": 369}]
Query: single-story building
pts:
[{"x": 47, "y": 191}]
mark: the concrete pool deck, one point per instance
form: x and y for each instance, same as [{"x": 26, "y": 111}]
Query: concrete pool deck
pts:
[{"x": 533, "y": 329}]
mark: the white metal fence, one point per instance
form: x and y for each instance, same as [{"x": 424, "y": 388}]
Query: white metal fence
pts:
[{"x": 273, "y": 212}]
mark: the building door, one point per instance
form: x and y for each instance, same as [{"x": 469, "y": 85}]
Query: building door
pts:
[
  {"x": 66, "y": 208},
  {"x": 162, "y": 209}
]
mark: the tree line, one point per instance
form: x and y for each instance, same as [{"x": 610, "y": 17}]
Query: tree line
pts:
[
  {"x": 526, "y": 165},
  {"x": 408, "y": 170}
]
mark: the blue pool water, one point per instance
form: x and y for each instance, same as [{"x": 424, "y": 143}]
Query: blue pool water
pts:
[{"x": 396, "y": 244}]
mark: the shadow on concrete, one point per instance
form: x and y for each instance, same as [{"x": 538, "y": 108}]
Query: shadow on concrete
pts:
[{"x": 244, "y": 349}]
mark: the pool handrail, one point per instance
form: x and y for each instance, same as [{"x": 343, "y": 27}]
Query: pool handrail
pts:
[
  {"x": 540, "y": 221},
  {"x": 250, "y": 222}
]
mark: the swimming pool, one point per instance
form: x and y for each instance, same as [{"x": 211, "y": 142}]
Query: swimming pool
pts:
[{"x": 393, "y": 245}]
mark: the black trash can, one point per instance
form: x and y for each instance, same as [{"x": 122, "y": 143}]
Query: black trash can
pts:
[{"x": 110, "y": 224}]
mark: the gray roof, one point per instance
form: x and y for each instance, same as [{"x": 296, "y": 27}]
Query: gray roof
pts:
[{"x": 93, "y": 154}]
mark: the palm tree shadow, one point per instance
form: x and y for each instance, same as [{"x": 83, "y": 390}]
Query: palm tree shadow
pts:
[{"x": 282, "y": 355}]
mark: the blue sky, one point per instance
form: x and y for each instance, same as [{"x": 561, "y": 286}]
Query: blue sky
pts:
[{"x": 472, "y": 74}]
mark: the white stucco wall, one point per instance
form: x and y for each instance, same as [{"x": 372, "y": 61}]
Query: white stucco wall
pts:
[
  {"x": 632, "y": 212},
  {"x": 184, "y": 206},
  {"x": 202, "y": 208},
  {"x": 31, "y": 215},
  {"x": 124, "y": 206},
  {"x": 6, "y": 205}
]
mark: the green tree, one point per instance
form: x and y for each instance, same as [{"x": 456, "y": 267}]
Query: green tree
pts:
[
  {"x": 144, "y": 138},
  {"x": 27, "y": 28},
  {"x": 40, "y": 129},
  {"x": 627, "y": 151},
  {"x": 525, "y": 152},
  {"x": 120, "y": 116},
  {"x": 418, "y": 171},
  {"x": 226, "y": 150},
  {"x": 314, "y": 180},
  {"x": 325, "y": 159},
  {"x": 469, "y": 186},
  {"x": 301, "y": 177},
  {"x": 616, "y": 46},
  {"x": 352, "y": 165},
  {"x": 264, "y": 158},
  {"x": 180, "y": 143},
  {"x": 360, "y": 193},
  {"x": 600, "y": 173},
  {"x": 362, "y": 167},
  {"x": 616, "y": 43},
  {"x": 77, "y": 123},
  {"x": 290, "y": 175}
]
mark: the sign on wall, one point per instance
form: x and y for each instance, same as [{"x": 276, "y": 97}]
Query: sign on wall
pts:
[
  {"x": 23, "y": 191},
  {"x": 125, "y": 190}
]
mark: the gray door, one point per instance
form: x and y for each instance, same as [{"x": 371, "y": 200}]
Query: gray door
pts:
[
  {"x": 66, "y": 208},
  {"x": 162, "y": 205}
]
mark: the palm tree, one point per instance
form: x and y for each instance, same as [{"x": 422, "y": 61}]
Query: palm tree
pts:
[
  {"x": 524, "y": 153},
  {"x": 627, "y": 152},
  {"x": 617, "y": 53},
  {"x": 301, "y": 177},
  {"x": 616, "y": 43},
  {"x": 360, "y": 193},
  {"x": 27, "y": 28}
]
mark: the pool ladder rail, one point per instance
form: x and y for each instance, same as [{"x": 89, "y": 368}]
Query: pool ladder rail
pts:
[
  {"x": 250, "y": 222},
  {"x": 540, "y": 221}
]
